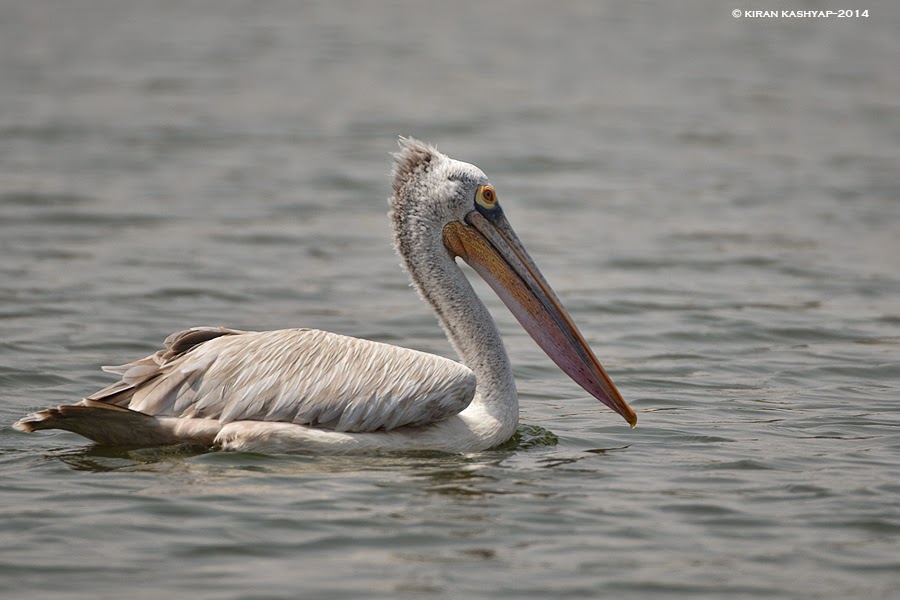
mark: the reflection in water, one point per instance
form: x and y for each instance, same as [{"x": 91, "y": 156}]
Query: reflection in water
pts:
[
  {"x": 104, "y": 459},
  {"x": 449, "y": 474}
]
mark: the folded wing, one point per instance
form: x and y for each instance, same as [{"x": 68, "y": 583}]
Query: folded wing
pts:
[{"x": 304, "y": 376}]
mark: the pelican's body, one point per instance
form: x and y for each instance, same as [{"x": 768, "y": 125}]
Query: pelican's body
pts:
[{"x": 304, "y": 390}]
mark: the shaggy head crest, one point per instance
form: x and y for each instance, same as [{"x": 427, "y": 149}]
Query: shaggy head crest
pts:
[
  {"x": 413, "y": 158},
  {"x": 430, "y": 185}
]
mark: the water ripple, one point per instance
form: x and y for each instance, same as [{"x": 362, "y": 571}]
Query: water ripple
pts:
[{"x": 729, "y": 257}]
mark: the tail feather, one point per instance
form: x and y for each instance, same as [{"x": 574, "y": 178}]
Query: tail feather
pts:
[
  {"x": 151, "y": 384},
  {"x": 103, "y": 423}
]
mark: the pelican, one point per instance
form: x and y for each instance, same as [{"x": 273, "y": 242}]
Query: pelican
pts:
[{"x": 311, "y": 391}]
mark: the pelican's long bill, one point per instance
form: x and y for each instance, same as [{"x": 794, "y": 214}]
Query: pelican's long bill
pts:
[{"x": 489, "y": 245}]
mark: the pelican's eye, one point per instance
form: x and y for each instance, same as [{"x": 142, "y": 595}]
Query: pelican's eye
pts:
[{"x": 486, "y": 196}]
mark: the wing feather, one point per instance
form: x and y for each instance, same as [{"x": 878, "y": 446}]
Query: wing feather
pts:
[{"x": 303, "y": 376}]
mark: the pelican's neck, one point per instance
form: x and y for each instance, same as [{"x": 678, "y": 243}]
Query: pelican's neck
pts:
[{"x": 467, "y": 323}]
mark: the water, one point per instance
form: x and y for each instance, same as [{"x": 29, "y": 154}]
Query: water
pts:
[{"x": 714, "y": 199}]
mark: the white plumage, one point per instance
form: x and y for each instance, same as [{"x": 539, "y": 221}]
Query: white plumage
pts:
[
  {"x": 304, "y": 390},
  {"x": 302, "y": 376}
]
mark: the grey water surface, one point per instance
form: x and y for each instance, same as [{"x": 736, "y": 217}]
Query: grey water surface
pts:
[{"x": 715, "y": 199}]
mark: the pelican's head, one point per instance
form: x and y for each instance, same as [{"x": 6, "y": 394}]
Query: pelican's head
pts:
[{"x": 452, "y": 202}]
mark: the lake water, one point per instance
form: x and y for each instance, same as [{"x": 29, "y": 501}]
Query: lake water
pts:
[{"x": 715, "y": 199}]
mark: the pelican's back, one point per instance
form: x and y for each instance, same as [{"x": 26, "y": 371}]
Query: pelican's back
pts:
[{"x": 303, "y": 376}]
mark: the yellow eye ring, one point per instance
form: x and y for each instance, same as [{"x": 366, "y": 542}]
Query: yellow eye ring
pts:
[{"x": 486, "y": 196}]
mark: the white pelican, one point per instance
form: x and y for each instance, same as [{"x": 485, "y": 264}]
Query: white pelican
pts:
[{"x": 304, "y": 390}]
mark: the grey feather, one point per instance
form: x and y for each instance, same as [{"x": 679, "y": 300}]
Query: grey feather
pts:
[{"x": 302, "y": 376}]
